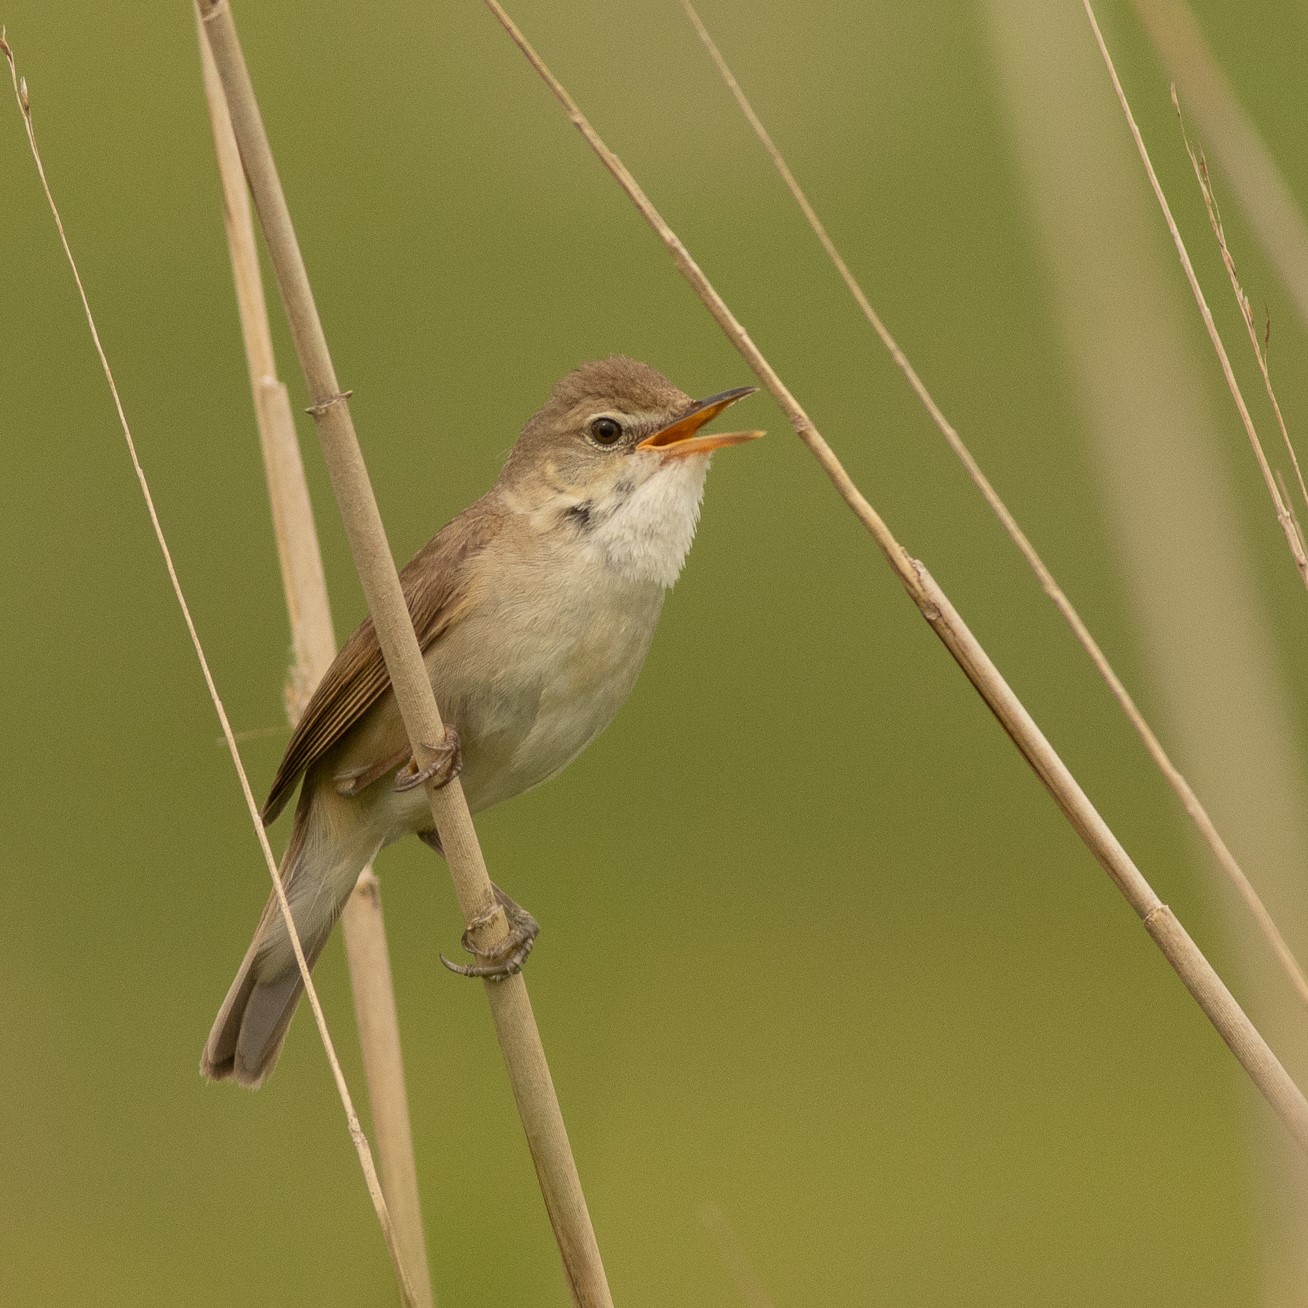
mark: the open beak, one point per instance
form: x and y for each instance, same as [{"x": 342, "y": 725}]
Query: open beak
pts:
[{"x": 678, "y": 439}]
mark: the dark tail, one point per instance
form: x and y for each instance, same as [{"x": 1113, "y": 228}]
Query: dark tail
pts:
[{"x": 252, "y": 1023}]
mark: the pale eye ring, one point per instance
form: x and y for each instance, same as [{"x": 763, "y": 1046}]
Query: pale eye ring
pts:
[{"x": 606, "y": 431}]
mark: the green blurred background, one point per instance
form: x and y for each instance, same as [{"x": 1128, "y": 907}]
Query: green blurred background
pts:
[{"x": 819, "y": 955}]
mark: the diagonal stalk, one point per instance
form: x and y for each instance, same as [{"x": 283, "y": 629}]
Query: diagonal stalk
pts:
[
  {"x": 1258, "y": 182},
  {"x": 357, "y": 1136},
  {"x": 1190, "y": 801},
  {"x": 1283, "y": 514},
  {"x": 1198, "y": 975},
  {"x": 515, "y": 1026},
  {"x": 314, "y": 644}
]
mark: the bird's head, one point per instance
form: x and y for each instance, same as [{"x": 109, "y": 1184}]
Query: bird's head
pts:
[{"x": 618, "y": 455}]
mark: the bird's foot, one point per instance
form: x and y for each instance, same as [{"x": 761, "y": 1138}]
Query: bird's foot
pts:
[
  {"x": 446, "y": 764},
  {"x": 506, "y": 957}
]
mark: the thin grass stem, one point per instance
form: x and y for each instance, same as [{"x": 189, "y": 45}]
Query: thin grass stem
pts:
[
  {"x": 510, "y": 1006},
  {"x": 1260, "y": 187},
  {"x": 1226, "y": 860},
  {"x": 1207, "y": 988},
  {"x": 1258, "y": 344},
  {"x": 314, "y": 646},
  {"x": 352, "y": 1119},
  {"x": 1283, "y": 514}
]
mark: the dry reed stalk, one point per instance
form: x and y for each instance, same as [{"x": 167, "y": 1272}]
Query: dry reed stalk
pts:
[
  {"x": 1200, "y": 165},
  {"x": 1198, "y": 975},
  {"x": 510, "y": 1006},
  {"x": 1155, "y": 439},
  {"x": 314, "y": 645},
  {"x": 1259, "y": 185},
  {"x": 1283, "y": 514},
  {"x": 352, "y": 1118},
  {"x": 1226, "y": 860}
]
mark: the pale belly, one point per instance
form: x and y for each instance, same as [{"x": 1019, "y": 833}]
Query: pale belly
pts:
[
  {"x": 557, "y": 690},
  {"x": 529, "y": 689}
]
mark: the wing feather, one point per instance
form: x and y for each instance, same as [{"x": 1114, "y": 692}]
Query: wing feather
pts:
[{"x": 434, "y": 582}]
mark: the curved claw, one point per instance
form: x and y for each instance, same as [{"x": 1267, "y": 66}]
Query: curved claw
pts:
[
  {"x": 506, "y": 957},
  {"x": 501, "y": 971},
  {"x": 444, "y": 767}
]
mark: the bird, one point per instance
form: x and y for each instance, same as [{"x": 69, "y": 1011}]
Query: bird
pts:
[{"x": 534, "y": 608}]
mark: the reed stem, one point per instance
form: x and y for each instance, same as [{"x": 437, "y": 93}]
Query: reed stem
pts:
[
  {"x": 314, "y": 644},
  {"x": 357, "y": 1136},
  {"x": 1190, "y": 801},
  {"x": 1283, "y": 514},
  {"x": 515, "y": 1025},
  {"x": 1234, "y": 1026}
]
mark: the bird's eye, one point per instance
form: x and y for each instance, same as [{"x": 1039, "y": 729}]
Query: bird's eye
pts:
[{"x": 606, "y": 431}]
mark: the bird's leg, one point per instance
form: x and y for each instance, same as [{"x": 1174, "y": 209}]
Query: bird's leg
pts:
[
  {"x": 505, "y": 958},
  {"x": 446, "y": 764}
]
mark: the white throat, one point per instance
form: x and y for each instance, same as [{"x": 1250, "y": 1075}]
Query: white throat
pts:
[{"x": 648, "y": 532}]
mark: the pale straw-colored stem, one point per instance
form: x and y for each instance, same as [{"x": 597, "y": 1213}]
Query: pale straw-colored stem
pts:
[
  {"x": 1226, "y": 860},
  {"x": 1152, "y": 438},
  {"x": 1200, "y": 165},
  {"x": 1208, "y": 989},
  {"x": 314, "y": 644},
  {"x": 1259, "y": 185},
  {"x": 1283, "y": 514},
  {"x": 510, "y": 1006},
  {"x": 375, "y": 1014},
  {"x": 357, "y": 1135}
]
